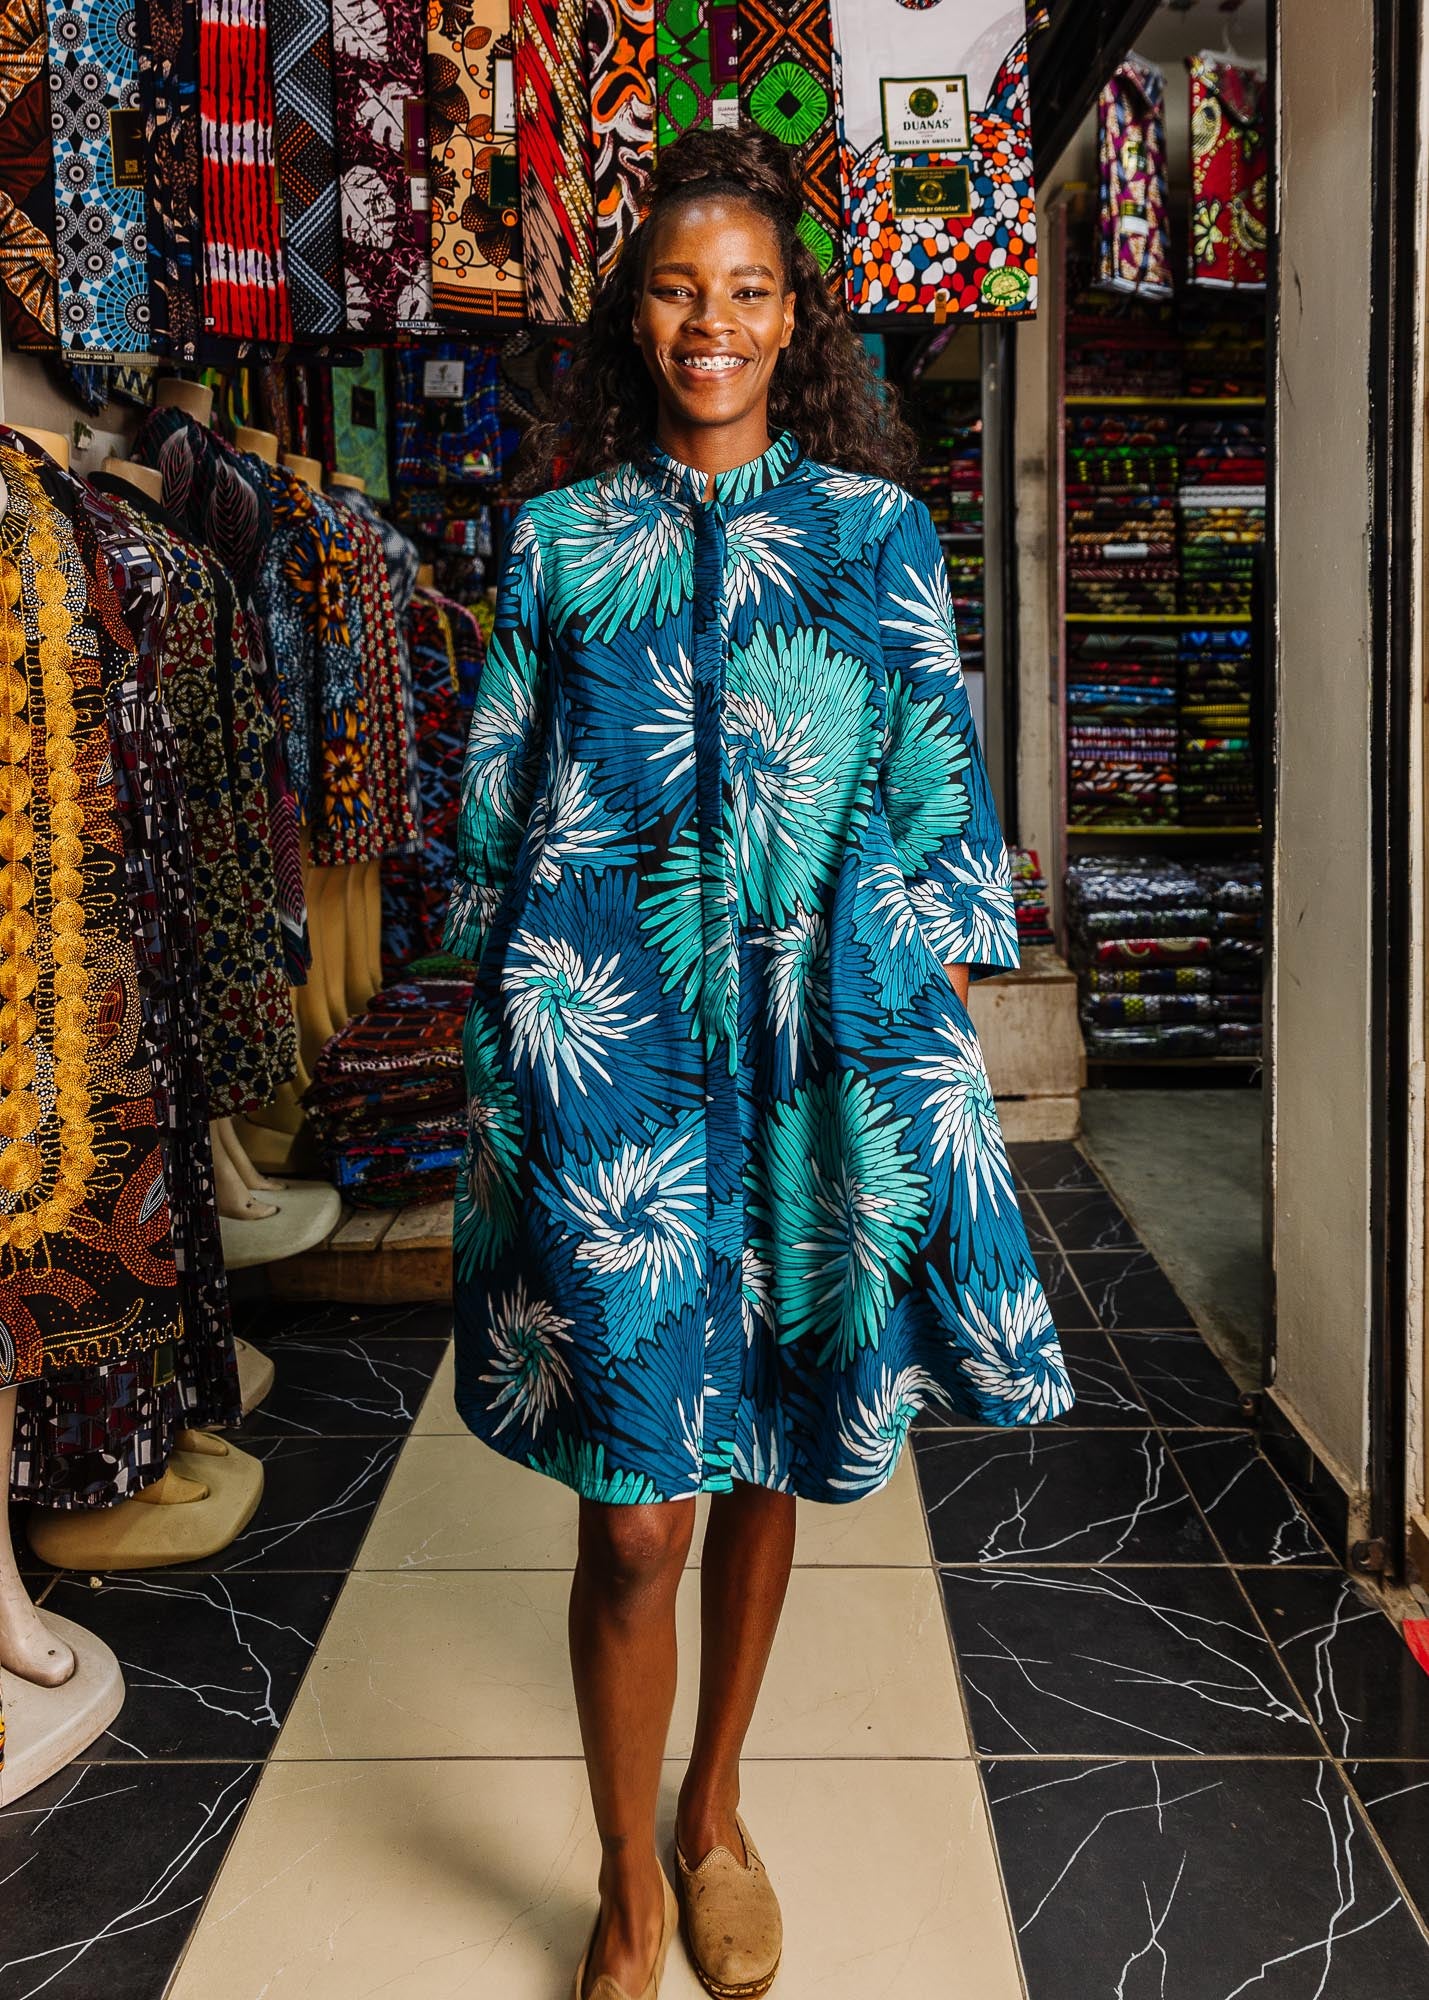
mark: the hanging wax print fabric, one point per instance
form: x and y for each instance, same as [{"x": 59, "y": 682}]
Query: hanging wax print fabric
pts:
[
  {"x": 553, "y": 149},
  {"x": 359, "y": 411},
  {"x": 99, "y": 177},
  {"x": 696, "y": 65},
  {"x": 380, "y": 48},
  {"x": 29, "y": 268},
  {"x": 245, "y": 283},
  {"x": 786, "y": 86},
  {"x": 937, "y": 156},
  {"x": 1230, "y": 175},
  {"x": 1135, "y": 225},
  {"x": 471, "y": 162},
  {"x": 168, "y": 96},
  {"x": 620, "y": 51},
  {"x": 300, "y": 36}
]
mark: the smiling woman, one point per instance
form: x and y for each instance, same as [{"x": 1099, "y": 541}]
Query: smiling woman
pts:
[{"x": 736, "y": 1205}]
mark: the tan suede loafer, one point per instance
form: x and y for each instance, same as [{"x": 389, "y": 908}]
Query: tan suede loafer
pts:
[
  {"x": 606, "y": 1988},
  {"x": 732, "y": 1921}
]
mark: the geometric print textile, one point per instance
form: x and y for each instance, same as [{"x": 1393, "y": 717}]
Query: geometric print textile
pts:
[
  {"x": 735, "y": 1204},
  {"x": 245, "y": 285},
  {"x": 1135, "y": 222},
  {"x": 99, "y": 199},
  {"x": 786, "y": 86},
  {"x": 28, "y": 263},
  {"x": 554, "y": 154},
  {"x": 471, "y": 137},
  {"x": 620, "y": 50},
  {"x": 300, "y": 33},
  {"x": 168, "y": 95},
  {"x": 683, "y": 81}
]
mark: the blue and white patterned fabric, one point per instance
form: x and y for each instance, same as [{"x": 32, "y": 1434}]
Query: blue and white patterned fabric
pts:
[
  {"x": 735, "y": 1204},
  {"x": 99, "y": 201}
]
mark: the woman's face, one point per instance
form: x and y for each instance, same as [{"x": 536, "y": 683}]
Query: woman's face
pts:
[{"x": 714, "y": 313}]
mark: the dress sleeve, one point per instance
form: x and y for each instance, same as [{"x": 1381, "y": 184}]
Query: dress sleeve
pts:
[
  {"x": 934, "y": 782},
  {"x": 499, "y": 769}
]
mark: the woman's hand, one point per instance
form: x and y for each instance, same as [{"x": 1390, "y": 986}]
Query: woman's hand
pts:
[{"x": 960, "y": 976}]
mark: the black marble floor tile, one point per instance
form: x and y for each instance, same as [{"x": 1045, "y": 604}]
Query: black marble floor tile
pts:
[
  {"x": 1051, "y": 1164},
  {"x": 262, "y": 1320},
  {"x": 1068, "y": 1307},
  {"x": 1128, "y": 1290},
  {"x": 1396, "y": 1798},
  {"x": 327, "y": 1386},
  {"x": 104, "y": 1869},
  {"x": 211, "y": 1663},
  {"x": 1057, "y": 1496},
  {"x": 1182, "y": 1381},
  {"x": 1125, "y": 1662},
  {"x": 1040, "y": 1239},
  {"x": 318, "y": 1497},
  {"x": 1199, "y": 1881},
  {"x": 1088, "y": 1220},
  {"x": 1252, "y": 1514},
  {"x": 1358, "y": 1678},
  {"x": 1105, "y": 1393}
]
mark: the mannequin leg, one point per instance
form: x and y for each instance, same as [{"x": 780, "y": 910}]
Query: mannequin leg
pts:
[
  {"x": 332, "y": 922},
  {"x": 27, "y": 1647},
  {"x": 357, "y": 984},
  {"x": 235, "y": 1199},
  {"x": 373, "y": 906},
  {"x": 223, "y": 1130}
]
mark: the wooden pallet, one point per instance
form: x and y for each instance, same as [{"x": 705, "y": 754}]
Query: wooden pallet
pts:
[{"x": 375, "y": 1257}]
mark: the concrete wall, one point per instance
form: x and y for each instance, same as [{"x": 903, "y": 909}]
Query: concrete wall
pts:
[{"x": 1321, "y": 990}]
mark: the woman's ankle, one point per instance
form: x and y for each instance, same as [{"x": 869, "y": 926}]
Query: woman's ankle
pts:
[{"x": 705, "y": 1817}]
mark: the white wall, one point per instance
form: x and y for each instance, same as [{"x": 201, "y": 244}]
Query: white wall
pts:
[{"x": 1322, "y": 910}]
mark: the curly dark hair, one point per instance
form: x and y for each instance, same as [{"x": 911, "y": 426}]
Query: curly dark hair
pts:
[{"x": 823, "y": 388}]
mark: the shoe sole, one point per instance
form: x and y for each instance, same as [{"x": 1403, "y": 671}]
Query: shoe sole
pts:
[{"x": 751, "y": 1991}]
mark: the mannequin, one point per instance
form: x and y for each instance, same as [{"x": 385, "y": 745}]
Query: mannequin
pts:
[
  {"x": 426, "y": 576},
  {"x": 262, "y": 444},
  {"x": 194, "y": 398},
  {"x": 309, "y": 470},
  {"x": 143, "y": 478},
  {"x": 350, "y": 482},
  {"x": 51, "y": 441}
]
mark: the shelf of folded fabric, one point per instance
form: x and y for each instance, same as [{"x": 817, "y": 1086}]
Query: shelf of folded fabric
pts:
[
  {"x": 1165, "y": 402},
  {"x": 1156, "y": 618},
  {"x": 1175, "y": 1062},
  {"x": 1153, "y": 832}
]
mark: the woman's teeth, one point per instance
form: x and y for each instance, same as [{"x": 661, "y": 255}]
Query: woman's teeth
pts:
[{"x": 713, "y": 364}]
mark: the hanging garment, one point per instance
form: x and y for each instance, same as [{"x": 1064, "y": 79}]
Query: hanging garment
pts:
[
  {"x": 168, "y": 97},
  {"x": 84, "y": 1207},
  {"x": 29, "y": 265},
  {"x": 553, "y": 152},
  {"x": 735, "y": 1204},
  {"x": 620, "y": 56},
  {"x": 364, "y": 821},
  {"x": 936, "y": 153},
  {"x": 1135, "y": 222},
  {"x": 379, "y": 48},
  {"x": 245, "y": 282},
  {"x": 452, "y": 438},
  {"x": 1230, "y": 175},
  {"x": 99, "y": 177},
  {"x": 471, "y": 139},
  {"x": 415, "y": 887},
  {"x": 305, "y": 131},
  {"x": 403, "y": 563},
  {"x": 359, "y": 402},
  {"x": 786, "y": 86}
]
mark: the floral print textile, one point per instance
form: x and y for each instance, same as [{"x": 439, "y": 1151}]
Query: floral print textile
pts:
[
  {"x": 471, "y": 137},
  {"x": 1135, "y": 220},
  {"x": 1230, "y": 175},
  {"x": 735, "y": 1205},
  {"x": 379, "y": 51},
  {"x": 99, "y": 195}
]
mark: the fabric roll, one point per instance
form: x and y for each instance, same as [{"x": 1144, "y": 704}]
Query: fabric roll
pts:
[
  {"x": 554, "y": 154},
  {"x": 99, "y": 177},
  {"x": 245, "y": 285},
  {"x": 90, "y": 1272},
  {"x": 1134, "y": 242},
  {"x": 380, "y": 51},
  {"x": 786, "y": 87},
  {"x": 471, "y": 139},
  {"x": 168, "y": 95},
  {"x": 29, "y": 264},
  {"x": 683, "y": 73},
  {"x": 305, "y": 132},
  {"x": 620, "y": 55}
]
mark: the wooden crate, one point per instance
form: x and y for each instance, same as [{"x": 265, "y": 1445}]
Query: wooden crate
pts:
[
  {"x": 1032, "y": 1044},
  {"x": 375, "y": 1257}
]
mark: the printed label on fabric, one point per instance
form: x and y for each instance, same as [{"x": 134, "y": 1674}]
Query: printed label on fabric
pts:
[
  {"x": 925, "y": 114},
  {"x": 503, "y": 107},
  {"x": 126, "y": 143},
  {"x": 443, "y": 380},
  {"x": 724, "y": 114},
  {"x": 1007, "y": 288},
  {"x": 931, "y": 191}
]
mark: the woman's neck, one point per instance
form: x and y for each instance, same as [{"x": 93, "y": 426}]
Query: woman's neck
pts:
[{"x": 714, "y": 448}]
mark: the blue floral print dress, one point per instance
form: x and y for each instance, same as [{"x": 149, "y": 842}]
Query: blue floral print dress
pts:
[{"x": 735, "y": 1204}]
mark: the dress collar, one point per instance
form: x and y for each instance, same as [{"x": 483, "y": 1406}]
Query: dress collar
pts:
[{"x": 732, "y": 488}]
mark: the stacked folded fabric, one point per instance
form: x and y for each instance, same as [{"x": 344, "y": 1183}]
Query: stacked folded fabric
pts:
[
  {"x": 1121, "y": 346},
  {"x": 950, "y": 482},
  {"x": 1222, "y": 503},
  {"x": 1141, "y": 940},
  {"x": 1122, "y": 738},
  {"x": 1235, "y": 892},
  {"x": 1224, "y": 347},
  {"x": 1122, "y": 473},
  {"x": 1030, "y": 898},
  {"x": 387, "y": 1104},
  {"x": 1217, "y": 763}
]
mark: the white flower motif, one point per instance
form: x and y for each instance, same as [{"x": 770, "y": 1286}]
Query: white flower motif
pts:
[
  {"x": 564, "y": 1012},
  {"x": 529, "y": 1373},
  {"x": 1015, "y": 1359},
  {"x": 380, "y": 109},
  {"x": 499, "y": 727},
  {"x": 642, "y": 1213},
  {"x": 753, "y": 559},
  {"x": 570, "y": 828},
  {"x": 980, "y": 911},
  {"x": 964, "y": 1114},
  {"x": 369, "y": 214},
  {"x": 672, "y": 726},
  {"x": 930, "y": 624},
  {"x": 799, "y": 1000},
  {"x": 871, "y": 1435},
  {"x": 756, "y": 1298}
]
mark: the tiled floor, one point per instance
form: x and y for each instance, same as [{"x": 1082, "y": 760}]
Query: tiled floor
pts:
[{"x": 1170, "y": 1751}]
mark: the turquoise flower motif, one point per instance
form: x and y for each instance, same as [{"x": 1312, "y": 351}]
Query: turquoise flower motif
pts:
[
  {"x": 924, "y": 793},
  {"x": 528, "y": 1371},
  {"x": 838, "y": 1208},
  {"x": 795, "y": 709},
  {"x": 627, "y": 554},
  {"x": 578, "y": 1463},
  {"x": 703, "y": 969}
]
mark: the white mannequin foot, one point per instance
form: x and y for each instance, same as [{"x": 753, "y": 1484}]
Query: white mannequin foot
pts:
[{"x": 27, "y": 1648}]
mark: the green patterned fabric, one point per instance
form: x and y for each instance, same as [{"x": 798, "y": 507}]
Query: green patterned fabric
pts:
[
  {"x": 682, "y": 67},
  {"x": 359, "y": 411}
]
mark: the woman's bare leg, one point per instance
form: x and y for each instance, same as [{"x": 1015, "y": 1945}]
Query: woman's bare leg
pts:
[
  {"x": 744, "y": 1573},
  {"x": 622, "y": 1629}
]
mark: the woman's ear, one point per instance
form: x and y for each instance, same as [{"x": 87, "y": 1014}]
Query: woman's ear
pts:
[{"x": 788, "y": 333}]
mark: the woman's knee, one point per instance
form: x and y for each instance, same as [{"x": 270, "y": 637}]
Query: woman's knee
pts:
[{"x": 634, "y": 1549}]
